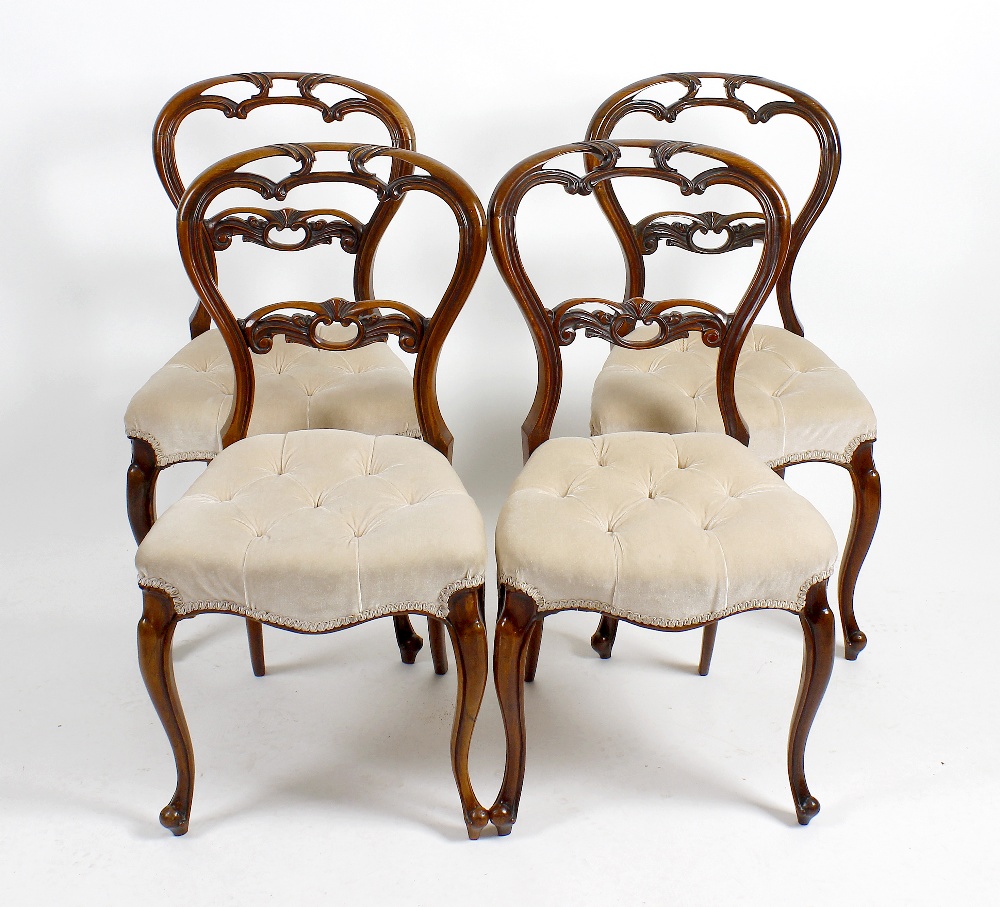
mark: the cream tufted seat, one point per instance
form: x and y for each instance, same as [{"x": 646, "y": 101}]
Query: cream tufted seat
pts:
[
  {"x": 796, "y": 403},
  {"x": 183, "y": 409},
  {"x": 316, "y": 530},
  {"x": 663, "y": 531}
]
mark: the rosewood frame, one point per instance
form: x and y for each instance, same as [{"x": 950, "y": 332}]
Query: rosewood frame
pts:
[
  {"x": 519, "y": 621},
  {"x": 650, "y": 231},
  {"x": 143, "y": 472},
  {"x": 199, "y": 238}
]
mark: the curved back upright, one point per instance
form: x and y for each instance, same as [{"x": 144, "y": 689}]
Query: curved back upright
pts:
[
  {"x": 201, "y": 236},
  {"x": 792, "y": 101},
  {"x": 556, "y": 326},
  {"x": 364, "y": 99}
]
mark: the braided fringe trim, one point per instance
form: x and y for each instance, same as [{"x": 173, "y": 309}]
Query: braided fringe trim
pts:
[
  {"x": 825, "y": 456},
  {"x": 183, "y": 608},
  {"x": 648, "y": 621},
  {"x": 191, "y": 456}
]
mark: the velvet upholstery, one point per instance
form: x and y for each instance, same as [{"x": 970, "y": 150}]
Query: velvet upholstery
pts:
[
  {"x": 183, "y": 408},
  {"x": 314, "y": 530},
  {"x": 668, "y": 531},
  {"x": 797, "y": 404}
]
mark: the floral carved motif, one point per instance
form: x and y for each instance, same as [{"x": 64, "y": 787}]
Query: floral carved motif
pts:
[
  {"x": 739, "y": 234},
  {"x": 617, "y": 320},
  {"x": 262, "y": 326},
  {"x": 259, "y": 225}
]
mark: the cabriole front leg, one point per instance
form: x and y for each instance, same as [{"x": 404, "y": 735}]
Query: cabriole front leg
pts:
[
  {"x": 867, "y": 504},
  {"x": 155, "y": 634},
  {"x": 468, "y": 636},
  {"x": 510, "y": 651},
  {"x": 817, "y": 666}
]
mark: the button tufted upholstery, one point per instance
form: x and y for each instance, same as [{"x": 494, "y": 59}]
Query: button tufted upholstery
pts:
[
  {"x": 183, "y": 408},
  {"x": 668, "y": 531},
  {"x": 794, "y": 400},
  {"x": 314, "y": 530}
]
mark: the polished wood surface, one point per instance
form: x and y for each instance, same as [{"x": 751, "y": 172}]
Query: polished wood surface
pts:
[
  {"x": 519, "y": 622},
  {"x": 704, "y": 90},
  {"x": 209, "y": 95},
  {"x": 269, "y": 91},
  {"x": 817, "y": 666},
  {"x": 722, "y": 90},
  {"x": 867, "y": 504},
  {"x": 200, "y": 237}
]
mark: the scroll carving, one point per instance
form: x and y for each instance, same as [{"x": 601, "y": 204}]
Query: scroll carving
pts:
[
  {"x": 691, "y": 98},
  {"x": 260, "y": 224},
  {"x": 306, "y": 84},
  {"x": 683, "y": 233},
  {"x": 262, "y": 326},
  {"x": 618, "y": 319}
]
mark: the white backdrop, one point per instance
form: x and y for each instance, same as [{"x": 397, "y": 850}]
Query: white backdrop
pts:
[{"x": 644, "y": 784}]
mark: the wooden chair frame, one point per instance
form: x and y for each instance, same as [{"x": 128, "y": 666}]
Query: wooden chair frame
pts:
[
  {"x": 519, "y": 621},
  {"x": 200, "y": 236},
  {"x": 143, "y": 471},
  {"x": 864, "y": 476}
]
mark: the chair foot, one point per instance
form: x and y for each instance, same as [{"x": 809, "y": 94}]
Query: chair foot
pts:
[
  {"x": 502, "y": 816},
  {"x": 475, "y": 821},
  {"x": 603, "y": 640},
  {"x": 806, "y": 810},
  {"x": 853, "y": 644},
  {"x": 174, "y": 820},
  {"x": 407, "y": 639}
]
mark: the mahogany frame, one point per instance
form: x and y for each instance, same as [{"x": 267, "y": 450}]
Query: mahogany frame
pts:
[
  {"x": 519, "y": 621},
  {"x": 143, "y": 471},
  {"x": 864, "y": 477},
  {"x": 199, "y": 239}
]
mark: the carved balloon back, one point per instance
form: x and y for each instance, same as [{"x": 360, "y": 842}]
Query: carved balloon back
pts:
[
  {"x": 269, "y": 90},
  {"x": 557, "y": 326},
  {"x": 202, "y": 236},
  {"x": 736, "y": 231}
]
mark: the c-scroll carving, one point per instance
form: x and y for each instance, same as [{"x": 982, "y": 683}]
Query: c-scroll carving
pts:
[
  {"x": 615, "y": 325},
  {"x": 652, "y": 230},
  {"x": 262, "y": 326},
  {"x": 258, "y": 225},
  {"x": 693, "y": 85}
]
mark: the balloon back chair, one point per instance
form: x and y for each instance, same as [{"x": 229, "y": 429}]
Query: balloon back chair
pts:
[
  {"x": 799, "y": 406},
  {"x": 179, "y": 414},
  {"x": 670, "y": 532},
  {"x": 316, "y": 530}
]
